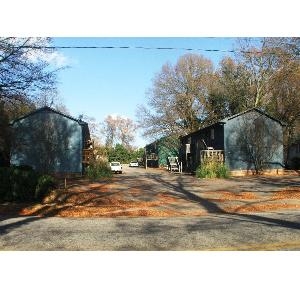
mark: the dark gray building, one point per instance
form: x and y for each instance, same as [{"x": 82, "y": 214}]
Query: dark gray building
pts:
[
  {"x": 50, "y": 141},
  {"x": 243, "y": 142}
]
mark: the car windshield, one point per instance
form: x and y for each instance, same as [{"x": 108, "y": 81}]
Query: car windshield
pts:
[{"x": 115, "y": 163}]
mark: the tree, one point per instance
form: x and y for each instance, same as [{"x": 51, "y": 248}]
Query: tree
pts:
[
  {"x": 285, "y": 87},
  {"x": 25, "y": 71},
  {"x": 119, "y": 129},
  {"x": 94, "y": 128},
  {"x": 119, "y": 153},
  {"x": 51, "y": 99},
  {"x": 232, "y": 89},
  {"x": 110, "y": 130},
  {"x": 126, "y": 131},
  {"x": 178, "y": 100}
]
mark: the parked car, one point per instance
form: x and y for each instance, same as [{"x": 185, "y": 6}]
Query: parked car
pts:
[
  {"x": 134, "y": 164},
  {"x": 116, "y": 167}
]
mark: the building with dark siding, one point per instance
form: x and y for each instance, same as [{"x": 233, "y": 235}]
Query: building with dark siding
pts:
[
  {"x": 50, "y": 142},
  {"x": 240, "y": 141}
]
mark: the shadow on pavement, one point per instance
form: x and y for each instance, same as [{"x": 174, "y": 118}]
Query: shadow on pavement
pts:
[
  {"x": 13, "y": 225},
  {"x": 179, "y": 189}
]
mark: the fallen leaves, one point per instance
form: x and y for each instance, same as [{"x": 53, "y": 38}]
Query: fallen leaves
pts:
[
  {"x": 288, "y": 193},
  {"x": 228, "y": 195},
  {"x": 261, "y": 207},
  {"x": 113, "y": 199}
]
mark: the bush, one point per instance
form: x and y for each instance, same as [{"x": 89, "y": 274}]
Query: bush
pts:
[
  {"x": 44, "y": 184},
  {"x": 295, "y": 163},
  {"x": 98, "y": 169},
  {"x": 22, "y": 183},
  {"x": 212, "y": 169},
  {"x": 5, "y": 182}
]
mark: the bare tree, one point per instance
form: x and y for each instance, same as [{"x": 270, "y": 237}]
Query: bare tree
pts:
[
  {"x": 285, "y": 87},
  {"x": 126, "y": 131},
  {"x": 94, "y": 128},
  {"x": 51, "y": 99},
  {"x": 119, "y": 129},
  {"x": 178, "y": 99},
  {"x": 232, "y": 91},
  {"x": 25, "y": 71},
  {"x": 110, "y": 130}
]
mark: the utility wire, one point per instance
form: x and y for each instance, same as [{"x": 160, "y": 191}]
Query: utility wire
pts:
[
  {"x": 144, "y": 48},
  {"x": 126, "y": 47}
]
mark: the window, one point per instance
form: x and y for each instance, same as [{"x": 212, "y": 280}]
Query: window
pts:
[{"x": 187, "y": 148}]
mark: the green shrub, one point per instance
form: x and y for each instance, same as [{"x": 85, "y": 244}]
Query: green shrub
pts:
[
  {"x": 44, "y": 184},
  {"x": 98, "y": 169},
  {"x": 5, "y": 183},
  {"x": 22, "y": 183},
  {"x": 212, "y": 169},
  {"x": 296, "y": 163}
]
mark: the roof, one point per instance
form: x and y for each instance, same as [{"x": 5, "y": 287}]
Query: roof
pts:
[
  {"x": 257, "y": 110},
  {"x": 223, "y": 121},
  {"x": 47, "y": 108}
]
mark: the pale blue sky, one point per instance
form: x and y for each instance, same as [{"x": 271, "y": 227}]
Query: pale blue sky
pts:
[{"x": 101, "y": 82}]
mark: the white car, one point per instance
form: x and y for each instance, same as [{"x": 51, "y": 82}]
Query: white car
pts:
[
  {"x": 116, "y": 167},
  {"x": 133, "y": 164}
]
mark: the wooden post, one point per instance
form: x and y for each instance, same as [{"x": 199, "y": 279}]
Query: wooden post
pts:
[{"x": 65, "y": 183}]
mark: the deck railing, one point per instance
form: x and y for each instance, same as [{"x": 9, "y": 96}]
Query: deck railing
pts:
[{"x": 216, "y": 155}]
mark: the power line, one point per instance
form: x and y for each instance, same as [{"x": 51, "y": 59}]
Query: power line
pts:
[
  {"x": 251, "y": 51},
  {"x": 128, "y": 47}
]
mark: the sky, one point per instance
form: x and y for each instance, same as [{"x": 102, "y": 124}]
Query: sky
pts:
[{"x": 102, "y": 82}]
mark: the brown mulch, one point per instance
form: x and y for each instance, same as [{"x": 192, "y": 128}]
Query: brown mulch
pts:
[
  {"x": 108, "y": 199},
  {"x": 261, "y": 207},
  {"x": 228, "y": 195},
  {"x": 288, "y": 193}
]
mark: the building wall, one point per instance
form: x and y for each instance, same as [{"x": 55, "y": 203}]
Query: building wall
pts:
[
  {"x": 167, "y": 147},
  {"x": 294, "y": 156},
  {"x": 163, "y": 148},
  {"x": 49, "y": 142},
  {"x": 213, "y": 136},
  {"x": 261, "y": 134}
]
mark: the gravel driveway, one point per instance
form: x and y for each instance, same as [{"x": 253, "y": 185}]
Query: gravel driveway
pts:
[
  {"x": 158, "y": 193},
  {"x": 155, "y": 210}
]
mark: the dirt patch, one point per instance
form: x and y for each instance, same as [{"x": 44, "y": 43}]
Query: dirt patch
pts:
[
  {"x": 227, "y": 195},
  {"x": 288, "y": 193},
  {"x": 261, "y": 207},
  {"x": 160, "y": 196}
]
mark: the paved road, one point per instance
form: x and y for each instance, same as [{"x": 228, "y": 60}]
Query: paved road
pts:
[{"x": 265, "y": 231}]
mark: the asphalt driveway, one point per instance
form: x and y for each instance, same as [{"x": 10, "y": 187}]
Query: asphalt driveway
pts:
[{"x": 267, "y": 231}]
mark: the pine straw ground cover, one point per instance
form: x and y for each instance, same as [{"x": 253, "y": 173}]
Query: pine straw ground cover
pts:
[{"x": 112, "y": 199}]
